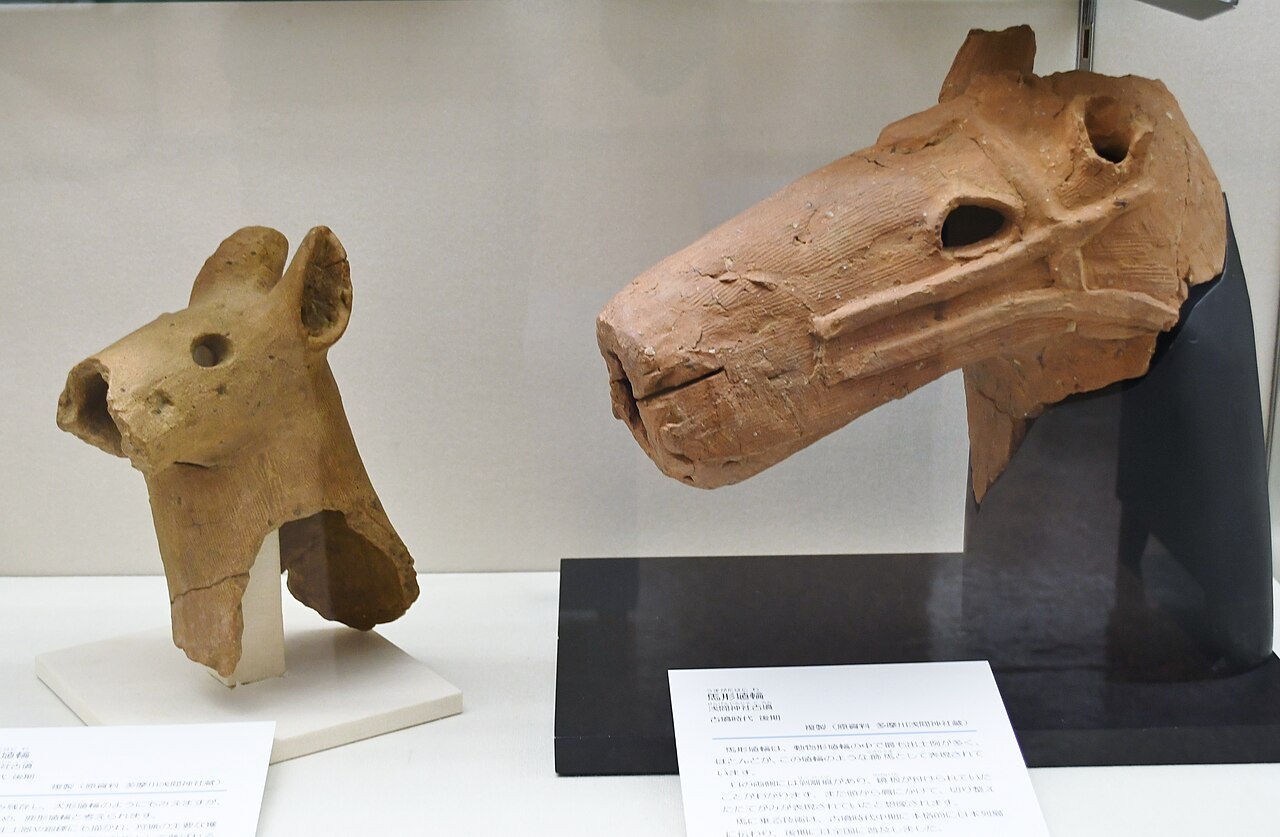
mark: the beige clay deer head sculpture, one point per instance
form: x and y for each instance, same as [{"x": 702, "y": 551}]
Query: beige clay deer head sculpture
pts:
[
  {"x": 1037, "y": 233},
  {"x": 230, "y": 411}
]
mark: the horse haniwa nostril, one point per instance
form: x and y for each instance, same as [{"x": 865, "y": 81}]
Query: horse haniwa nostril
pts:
[
  {"x": 82, "y": 409},
  {"x": 624, "y": 397}
]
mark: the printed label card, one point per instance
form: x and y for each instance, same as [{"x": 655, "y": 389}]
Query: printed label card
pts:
[
  {"x": 199, "y": 780},
  {"x": 914, "y": 748}
]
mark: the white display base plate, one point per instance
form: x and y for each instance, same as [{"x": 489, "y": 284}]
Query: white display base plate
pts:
[{"x": 341, "y": 686}]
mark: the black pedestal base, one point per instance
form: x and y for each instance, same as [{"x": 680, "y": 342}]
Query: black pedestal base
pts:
[{"x": 625, "y": 622}]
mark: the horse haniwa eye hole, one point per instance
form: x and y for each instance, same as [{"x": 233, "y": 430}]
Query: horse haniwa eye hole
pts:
[
  {"x": 1109, "y": 128},
  {"x": 970, "y": 223},
  {"x": 210, "y": 349}
]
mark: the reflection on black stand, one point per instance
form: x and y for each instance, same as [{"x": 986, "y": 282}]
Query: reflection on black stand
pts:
[{"x": 1130, "y": 533}]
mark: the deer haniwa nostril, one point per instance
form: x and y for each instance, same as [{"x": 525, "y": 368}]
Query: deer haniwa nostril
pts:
[{"x": 82, "y": 409}]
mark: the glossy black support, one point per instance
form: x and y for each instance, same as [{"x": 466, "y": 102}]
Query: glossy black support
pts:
[
  {"x": 1131, "y": 529},
  {"x": 1117, "y": 576}
]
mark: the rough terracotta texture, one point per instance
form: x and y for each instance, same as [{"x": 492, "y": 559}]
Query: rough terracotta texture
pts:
[
  {"x": 1037, "y": 233},
  {"x": 229, "y": 410}
]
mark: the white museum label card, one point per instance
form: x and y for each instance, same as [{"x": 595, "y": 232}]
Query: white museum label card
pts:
[
  {"x": 197, "y": 780},
  {"x": 914, "y": 748}
]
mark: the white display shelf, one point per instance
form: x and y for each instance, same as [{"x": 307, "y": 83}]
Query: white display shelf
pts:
[{"x": 489, "y": 770}]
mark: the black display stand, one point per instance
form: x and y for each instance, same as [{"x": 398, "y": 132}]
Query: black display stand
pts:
[{"x": 1117, "y": 576}]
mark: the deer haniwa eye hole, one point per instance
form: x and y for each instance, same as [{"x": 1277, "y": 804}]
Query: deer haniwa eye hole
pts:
[
  {"x": 970, "y": 223},
  {"x": 210, "y": 350}
]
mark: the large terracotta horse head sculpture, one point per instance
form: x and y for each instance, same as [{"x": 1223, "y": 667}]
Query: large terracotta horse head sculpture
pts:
[{"x": 1037, "y": 233}]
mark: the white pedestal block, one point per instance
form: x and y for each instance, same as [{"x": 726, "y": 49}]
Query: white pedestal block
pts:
[
  {"x": 262, "y": 640},
  {"x": 342, "y": 686}
]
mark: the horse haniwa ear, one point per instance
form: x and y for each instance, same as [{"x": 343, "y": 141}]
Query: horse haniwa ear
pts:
[
  {"x": 985, "y": 53},
  {"x": 318, "y": 283},
  {"x": 251, "y": 258}
]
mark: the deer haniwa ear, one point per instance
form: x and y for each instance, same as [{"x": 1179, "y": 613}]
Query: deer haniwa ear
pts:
[
  {"x": 318, "y": 285},
  {"x": 251, "y": 258},
  {"x": 985, "y": 53}
]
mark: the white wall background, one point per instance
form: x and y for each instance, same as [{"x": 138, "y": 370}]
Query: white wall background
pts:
[{"x": 497, "y": 171}]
